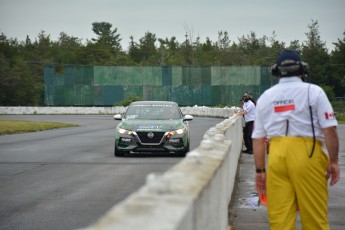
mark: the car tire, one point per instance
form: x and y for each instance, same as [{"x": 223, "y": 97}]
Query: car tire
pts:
[
  {"x": 118, "y": 153},
  {"x": 183, "y": 154}
]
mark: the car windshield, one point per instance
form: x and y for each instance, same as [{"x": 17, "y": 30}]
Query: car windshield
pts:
[{"x": 153, "y": 112}]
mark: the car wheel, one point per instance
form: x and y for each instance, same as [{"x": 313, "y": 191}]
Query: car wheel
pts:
[{"x": 118, "y": 153}]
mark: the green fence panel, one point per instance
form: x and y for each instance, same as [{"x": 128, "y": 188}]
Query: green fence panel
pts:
[
  {"x": 70, "y": 95},
  {"x": 192, "y": 75},
  {"x": 98, "y": 95},
  {"x": 104, "y": 75},
  {"x": 49, "y": 75},
  {"x": 235, "y": 75},
  {"x": 49, "y": 94},
  {"x": 205, "y": 75},
  {"x": 216, "y": 77},
  {"x": 221, "y": 95},
  {"x": 133, "y": 91},
  {"x": 206, "y": 95},
  {"x": 267, "y": 80},
  {"x": 59, "y": 79},
  {"x": 188, "y": 95},
  {"x": 107, "y": 95},
  {"x": 176, "y": 72},
  {"x": 180, "y": 94},
  {"x": 69, "y": 80},
  {"x": 166, "y": 75},
  {"x": 84, "y": 75},
  {"x": 59, "y": 95},
  {"x": 228, "y": 95},
  {"x": 157, "y": 93},
  {"x": 78, "y": 75},
  {"x": 69, "y": 75},
  {"x": 152, "y": 75},
  {"x": 106, "y": 85},
  {"x": 112, "y": 94},
  {"x": 85, "y": 95},
  {"x": 125, "y": 75}
]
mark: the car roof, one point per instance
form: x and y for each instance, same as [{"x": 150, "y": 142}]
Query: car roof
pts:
[{"x": 154, "y": 102}]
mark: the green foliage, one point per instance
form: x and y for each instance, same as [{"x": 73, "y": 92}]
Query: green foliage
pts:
[
  {"x": 22, "y": 63},
  {"x": 339, "y": 106},
  {"x": 337, "y": 68},
  {"x": 339, "y": 109},
  {"x": 106, "y": 37},
  {"x": 128, "y": 101},
  {"x": 340, "y": 118},
  {"x": 329, "y": 92}
]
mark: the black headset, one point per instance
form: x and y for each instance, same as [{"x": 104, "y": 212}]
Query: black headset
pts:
[{"x": 290, "y": 68}]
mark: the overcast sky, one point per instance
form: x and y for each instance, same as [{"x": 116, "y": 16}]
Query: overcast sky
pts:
[{"x": 165, "y": 19}]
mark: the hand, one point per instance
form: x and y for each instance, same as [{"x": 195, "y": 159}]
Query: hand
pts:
[
  {"x": 260, "y": 183},
  {"x": 333, "y": 172}
]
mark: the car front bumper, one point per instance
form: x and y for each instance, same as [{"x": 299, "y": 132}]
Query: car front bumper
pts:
[{"x": 160, "y": 142}]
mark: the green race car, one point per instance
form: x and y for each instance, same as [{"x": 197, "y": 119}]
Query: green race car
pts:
[{"x": 153, "y": 127}]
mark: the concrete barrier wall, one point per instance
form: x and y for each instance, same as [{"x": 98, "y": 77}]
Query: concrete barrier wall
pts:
[
  {"x": 195, "y": 110},
  {"x": 192, "y": 195},
  {"x": 61, "y": 110}
]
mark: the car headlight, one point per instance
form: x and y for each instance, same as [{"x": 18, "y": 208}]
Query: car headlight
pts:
[
  {"x": 124, "y": 131},
  {"x": 176, "y": 132}
]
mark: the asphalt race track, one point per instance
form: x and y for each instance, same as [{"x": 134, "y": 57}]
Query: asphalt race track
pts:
[{"x": 67, "y": 178}]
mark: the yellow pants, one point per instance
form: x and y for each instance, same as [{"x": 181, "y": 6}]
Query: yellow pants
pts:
[{"x": 295, "y": 180}]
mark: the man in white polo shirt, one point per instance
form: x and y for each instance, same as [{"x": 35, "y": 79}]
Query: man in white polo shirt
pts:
[
  {"x": 299, "y": 120},
  {"x": 248, "y": 111}
]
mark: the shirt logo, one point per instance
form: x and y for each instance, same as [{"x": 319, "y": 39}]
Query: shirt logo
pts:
[
  {"x": 284, "y": 105},
  {"x": 329, "y": 115}
]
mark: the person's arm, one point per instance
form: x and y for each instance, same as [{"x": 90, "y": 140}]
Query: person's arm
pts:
[
  {"x": 332, "y": 144},
  {"x": 259, "y": 157},
  {"x": 242, "y": 112},
  {"x": 245, "y": 109}
]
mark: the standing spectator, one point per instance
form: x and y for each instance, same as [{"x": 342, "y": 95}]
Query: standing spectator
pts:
[
  {"x": 299, "y": 120},
  {"x": 248, "y": 111}
]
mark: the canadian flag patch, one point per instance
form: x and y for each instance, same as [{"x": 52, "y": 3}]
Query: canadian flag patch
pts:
[{"x": 329, "y": 115}]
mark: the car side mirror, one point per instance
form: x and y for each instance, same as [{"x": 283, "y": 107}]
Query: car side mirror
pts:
[
  {"x": 118, "y": 117},
  {"x": 188, "y": 118}
]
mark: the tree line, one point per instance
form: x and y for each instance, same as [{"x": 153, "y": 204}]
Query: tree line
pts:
[{"x": 22, "y": 62}]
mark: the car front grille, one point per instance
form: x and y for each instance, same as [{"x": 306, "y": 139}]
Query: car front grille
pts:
[{"x": 150, "y": 137}]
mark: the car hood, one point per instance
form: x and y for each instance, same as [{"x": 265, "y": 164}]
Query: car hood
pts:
[{"x": 151, "y": 125}]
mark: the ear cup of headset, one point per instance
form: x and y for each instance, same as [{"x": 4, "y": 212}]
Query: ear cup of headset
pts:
[
  {"x": 304, "y": 68},
  {"x": 274, "y": 70}
]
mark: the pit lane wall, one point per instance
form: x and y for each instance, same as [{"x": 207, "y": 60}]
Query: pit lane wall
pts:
[
  {"x": 194, "y": 110},
  {"x": 193, "y": 195}
]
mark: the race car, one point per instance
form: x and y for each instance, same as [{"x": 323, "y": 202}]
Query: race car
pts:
[{"x": 152, "y": 127}]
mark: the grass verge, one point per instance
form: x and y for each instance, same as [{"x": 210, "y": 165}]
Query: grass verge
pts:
[{"x": 23, "y": 126}]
